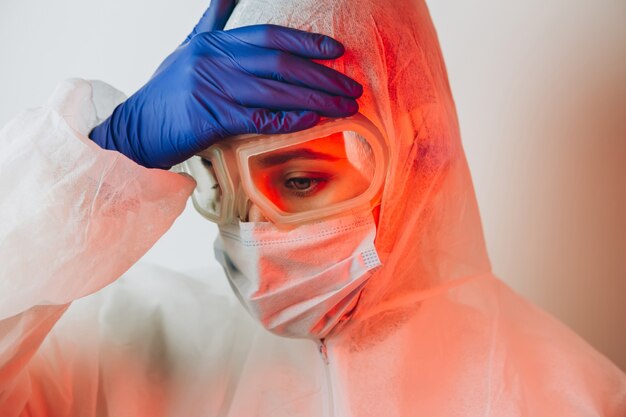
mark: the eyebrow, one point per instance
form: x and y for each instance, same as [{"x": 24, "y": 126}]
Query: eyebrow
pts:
[{"x": 278, "y": 158}]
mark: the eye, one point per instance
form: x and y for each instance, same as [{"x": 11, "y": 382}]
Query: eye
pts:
[
  {"x": 304, "y": 184},
  {"x": 300, "y": 183},
  {"x": 294, "y": 184}
]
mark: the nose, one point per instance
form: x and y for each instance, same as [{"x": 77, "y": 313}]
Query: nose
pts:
[{"x": 255, "y": 215}]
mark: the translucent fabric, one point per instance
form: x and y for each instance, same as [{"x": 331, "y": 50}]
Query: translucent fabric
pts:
[{"x": 434, "y": 333}]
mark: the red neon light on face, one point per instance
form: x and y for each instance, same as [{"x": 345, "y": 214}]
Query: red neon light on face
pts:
[{"x": 308, "y": 176}]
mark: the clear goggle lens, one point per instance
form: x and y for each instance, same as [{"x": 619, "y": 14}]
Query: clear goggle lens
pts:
[{"x": 313, "y": 175}]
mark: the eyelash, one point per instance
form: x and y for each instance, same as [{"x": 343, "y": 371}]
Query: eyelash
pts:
[{"x": 317, "y": 182}]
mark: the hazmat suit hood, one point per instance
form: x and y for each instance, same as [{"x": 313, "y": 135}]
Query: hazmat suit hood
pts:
[{"x": 429, "y": 233}]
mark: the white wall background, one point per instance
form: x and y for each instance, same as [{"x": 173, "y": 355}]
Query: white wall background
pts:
[{"x": 541, "y": 93}]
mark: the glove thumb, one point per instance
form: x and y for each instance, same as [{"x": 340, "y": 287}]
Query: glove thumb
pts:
[{"x": 214, "y": 18}]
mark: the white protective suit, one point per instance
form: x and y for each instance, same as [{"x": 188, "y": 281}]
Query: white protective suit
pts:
[{"x": 434, "y": 332}]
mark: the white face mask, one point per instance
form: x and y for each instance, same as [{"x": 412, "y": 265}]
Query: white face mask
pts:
[{"x": 302, "y": 282}]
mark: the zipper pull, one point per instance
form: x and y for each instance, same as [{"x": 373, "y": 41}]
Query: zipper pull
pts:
[{"x": 324, "y": 351}]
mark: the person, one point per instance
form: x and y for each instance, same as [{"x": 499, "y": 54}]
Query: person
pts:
[{"x": 383, "y": 308}]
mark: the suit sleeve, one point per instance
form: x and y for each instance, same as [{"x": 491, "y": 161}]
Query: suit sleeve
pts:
[{"x": 74, "y": 218}]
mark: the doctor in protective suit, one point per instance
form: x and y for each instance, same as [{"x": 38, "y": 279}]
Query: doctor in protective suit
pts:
[{"x": 378, "y": 301}]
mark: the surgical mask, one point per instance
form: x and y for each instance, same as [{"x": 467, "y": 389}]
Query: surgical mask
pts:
[{"x": 303, "y": 282}]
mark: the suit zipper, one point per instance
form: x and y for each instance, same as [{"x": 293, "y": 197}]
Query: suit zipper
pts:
[{"x": 329, "y": 383}]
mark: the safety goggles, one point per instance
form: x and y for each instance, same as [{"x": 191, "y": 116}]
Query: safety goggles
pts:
[{"x": 335, "y": 167}]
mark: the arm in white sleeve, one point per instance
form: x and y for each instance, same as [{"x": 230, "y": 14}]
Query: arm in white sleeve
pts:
[{"x": 74, "y": 218}]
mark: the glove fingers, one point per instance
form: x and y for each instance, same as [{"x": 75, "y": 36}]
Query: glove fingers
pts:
[
  {"x": 268, "y": 122},
  {"x": 214, "y": 17},
  {"x": 279, "y": 96},
  {"x": 294, "y": 70},
  {"x": 294, "y": 41}
]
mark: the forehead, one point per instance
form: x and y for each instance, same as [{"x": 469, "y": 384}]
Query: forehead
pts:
[{"x": 328, "y": 148}]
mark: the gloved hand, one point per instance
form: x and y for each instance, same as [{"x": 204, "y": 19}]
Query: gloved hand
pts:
[{"x": 255, "y": 79}]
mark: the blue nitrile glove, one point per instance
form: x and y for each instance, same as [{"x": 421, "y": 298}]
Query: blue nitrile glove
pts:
[{"x": 255, "y": 79}]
